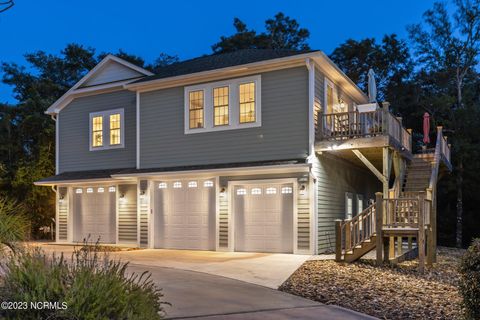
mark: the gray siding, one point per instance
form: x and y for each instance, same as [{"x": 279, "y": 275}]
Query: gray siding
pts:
[
  {"x": 335, "y": 178},
  {"x": 127, "y": 214},
  {"x": 283, "y": 134},
  {"x": 75, "y": 154}
]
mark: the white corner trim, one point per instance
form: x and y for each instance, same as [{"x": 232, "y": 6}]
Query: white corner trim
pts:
[
  {"x": 106, "y": 129},
  {"x": 233, "y": 107},
  {"x": 137, "y": 130},
  {"x": 57, "y": 144},
  {"x": 311, "y": 107}
]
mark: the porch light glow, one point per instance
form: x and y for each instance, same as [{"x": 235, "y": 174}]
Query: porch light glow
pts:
[
  {"x": 79, "y": 190},
  {"x": 101, "y": 190},
  {"x": 111, "y": 189},
  {"x": 89, "y": 190}
]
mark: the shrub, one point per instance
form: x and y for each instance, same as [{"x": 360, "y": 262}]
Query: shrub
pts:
[
  {"x": 470, "y": 280},
  {"x": 13, "y": 225},
  {"x": 91, "y": 285}
]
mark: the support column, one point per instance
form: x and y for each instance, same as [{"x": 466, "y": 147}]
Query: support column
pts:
[{"x": 379, "y": 226}]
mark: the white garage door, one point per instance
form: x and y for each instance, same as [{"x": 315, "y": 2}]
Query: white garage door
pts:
[
  {"x": 263, "y": 217},
  {"x": 94, "y": 214},
  {"x": 185, "y": 214}
]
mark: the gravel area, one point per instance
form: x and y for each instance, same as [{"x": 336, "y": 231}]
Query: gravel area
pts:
[{"x": 387, "y": 292}]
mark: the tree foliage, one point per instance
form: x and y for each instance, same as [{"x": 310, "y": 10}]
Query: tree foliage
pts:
[{"x": 281, "y": 32}]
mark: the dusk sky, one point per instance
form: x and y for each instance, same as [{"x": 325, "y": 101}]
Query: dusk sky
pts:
[{"x": 187, "y": 28}]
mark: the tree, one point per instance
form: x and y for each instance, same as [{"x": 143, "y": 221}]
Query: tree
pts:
[
  {"x": 390, "y": 60},
  {"x": 5, "y": 5},
  {"x": 448, "y": 48},
  {"x": 282, "y": 32}
]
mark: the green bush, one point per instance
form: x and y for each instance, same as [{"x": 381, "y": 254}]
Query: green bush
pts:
[
  {"x": 91, "y": 285},
  {"x": 470, "y": 280},
  {"x": 13, "y": 225}
]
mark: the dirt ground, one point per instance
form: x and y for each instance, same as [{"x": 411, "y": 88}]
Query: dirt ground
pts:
[{"x": 387, "y": 292}]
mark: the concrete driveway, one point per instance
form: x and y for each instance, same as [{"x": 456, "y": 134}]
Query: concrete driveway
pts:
[
  {"x": 222, "y": 285},
  {"x": 269, "y": 270}
]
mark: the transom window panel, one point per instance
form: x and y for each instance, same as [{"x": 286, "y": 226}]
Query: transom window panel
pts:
[
  {"x": 196, "y": 109},
  {"x": 115, "y": 129},
  {"x": 97, "y": 131},
  {"x": 162, "y": 185},
  {"x": 208, "y": 184},
  {"x": 256, "y": 191},
  {"x": 101, "y": 190},
  {"x": 89, "y": 190},
  {"x": 241, "y": 192},
  {"x": 247, "y": 102},
  {"x": 271, "y": 190},
  {"x": 286, "y": 190},
  {"x": 224, "y": 105},
  {"x": 107, "y": 129},
  {"x": 192, "y": 184},
  {"x": 177, "y": 185},
  {"x": 220, "y": 105},
  {"x": 111, "y": 189},
  {"x": 79, "y": 190}
]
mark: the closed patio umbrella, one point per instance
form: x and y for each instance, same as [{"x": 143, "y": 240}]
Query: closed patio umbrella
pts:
[
  {"x": 372, "y": 86},
  {"x": 426, "y": 128}
]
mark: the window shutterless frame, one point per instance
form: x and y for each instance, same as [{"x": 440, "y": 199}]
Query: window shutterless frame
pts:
[
  {"x": 106, "y": 129},
  {"x": 233, "y": 105}
]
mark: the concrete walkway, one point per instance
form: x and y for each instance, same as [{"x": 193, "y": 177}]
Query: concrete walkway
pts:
[{"x": 204, "y": 296}]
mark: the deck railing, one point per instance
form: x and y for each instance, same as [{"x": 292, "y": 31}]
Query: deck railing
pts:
[
  {"x": 353, "y": 124},
  {"x": 358, "y": 229},
  {"x": 408, "y": 212}
]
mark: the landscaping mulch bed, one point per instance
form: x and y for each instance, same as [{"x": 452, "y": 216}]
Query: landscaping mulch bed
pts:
[{"x": 387, "y": 292}]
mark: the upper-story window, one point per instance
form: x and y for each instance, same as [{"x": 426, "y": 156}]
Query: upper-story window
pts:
[
  {"x": 107, "y": 129},
  {"x": 223, "y": 105}
]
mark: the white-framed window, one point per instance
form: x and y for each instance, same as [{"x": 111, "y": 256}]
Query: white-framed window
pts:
[
  {"x": 162, "y": 185},
  {"x": 111, "y": 189},
  {"x": 208, "y": 184},
  {"x": 177, "y": 185},
  {"x": 89, "y": 190},
  {"x": 192, "y": 184},
  {"x": 107, "y": 130},
  {"x": 223, "y": 105},
  {"x": 241, "y": 191},
  {"x": 256, "y": 191},
  {"x": 271, "y": 190},
  {"x": 79, "y": 190},
  {"x": 101, "y": 190},
  {"x": 360, "y": 203},
  {"x": 348, "y": 205},
  {"x": 286, "y": 190}
]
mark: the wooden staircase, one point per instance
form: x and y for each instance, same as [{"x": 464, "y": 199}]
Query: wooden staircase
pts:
[
  {"x": 361, "y": 249},
  {"x": 418, "y": 173}
]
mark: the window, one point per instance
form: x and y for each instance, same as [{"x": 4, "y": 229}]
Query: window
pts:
[
  {"x": 115, "y": 129},
  {"x": 192, "y": 184},
  {"x": 223, "y": 105},
  {"x": 359, "y": 203},
  {"x": 348, "y": 205},
  {"x": 220, "y": 106},
  {"x": 101, "y": 190},
  {"x": 196, "y": 109},
  {"x": 79, "y": 190},
  {"x": 89, "y": 190},
  {"x": 106, "y": 130},
  {"x": 241, "y": 192},
  {"x": 208, "y": 184},
  {"x": 256, "y": 191},
  {"x": 97, "y": 131},
  {"x": 247, "y": 102},
  {"x": 111, "y": 189},
  {"x": 177, "y": 185},
  {"x": 271, "y": 191},
  {"x": 162, "y": 185},
  {"x": 286, "y": 190}
]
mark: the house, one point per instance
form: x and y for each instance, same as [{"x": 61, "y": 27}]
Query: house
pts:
[{"x": 255, "y": 150}]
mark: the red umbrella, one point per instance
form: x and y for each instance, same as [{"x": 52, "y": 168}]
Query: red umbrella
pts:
[{"x": 426, "y": 128}]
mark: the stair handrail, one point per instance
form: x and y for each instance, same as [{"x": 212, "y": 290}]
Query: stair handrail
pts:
[
  {"x": 352, "y": 232},
  {"x": 436, "y": 158}
]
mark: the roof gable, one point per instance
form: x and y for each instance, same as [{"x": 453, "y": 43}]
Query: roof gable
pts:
[{"x": 111, "y": 71}]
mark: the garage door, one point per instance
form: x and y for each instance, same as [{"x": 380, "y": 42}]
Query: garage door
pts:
[
  {"x": 185, "y": 214},
  {"x": 94, "y": 214},
  {"x": 263, "y": 217}
]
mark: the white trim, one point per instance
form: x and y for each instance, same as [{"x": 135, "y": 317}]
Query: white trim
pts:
[
  {"x": 70, "y": 217},
  {"x": 106, "y": 129},
  {"x": 217, "y": 213},
  {"x": 311, "y": 106},
  {"x": 66, "y": 98},
  {"x": 151, "y": 216},
  {"x": 117, "y": 216},
  {"x": 57, "y": 214},
  {"x": 139, "y": 211},
  {"x": 349, "y": 195},
  {"x": 57, "y": 145},
  {"x": 233, "y": 105},
  {"x": 231, "y": 217},
  {"x": 137, "y": 129}
]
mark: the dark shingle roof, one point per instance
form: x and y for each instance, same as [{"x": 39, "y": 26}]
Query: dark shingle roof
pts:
[
  {"x": 107, "y": 174},
  {"x": 218, "y": 61}
]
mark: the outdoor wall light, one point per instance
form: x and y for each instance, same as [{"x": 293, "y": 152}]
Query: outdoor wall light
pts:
[
  {"x": 303, "y": 189},
  {"x": 142, "y": 194},
  {"x": 223, "y": 191},
  {"x": 122, "y": 198}
]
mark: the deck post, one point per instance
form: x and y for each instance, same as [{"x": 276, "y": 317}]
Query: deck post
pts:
[
  {"x": 338, "y": 240},
  {"x": 399, "y": 245},
  {"x": 410, "y": 244},
  {"x": 421, "y": 232},
  {"x": 379, "y": 225}
]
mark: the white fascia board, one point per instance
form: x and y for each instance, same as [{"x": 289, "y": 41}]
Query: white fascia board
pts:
[{"x": 62, "y": 101}]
